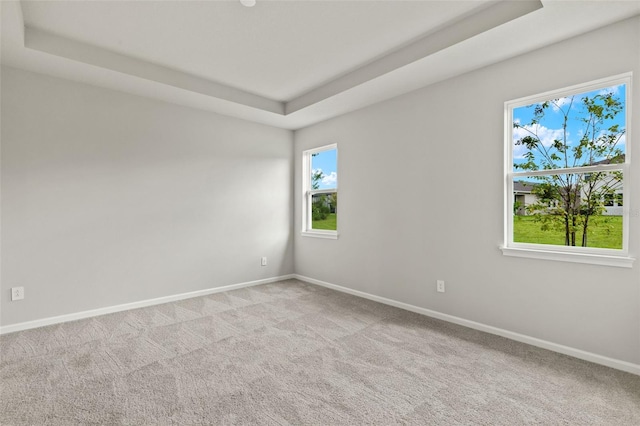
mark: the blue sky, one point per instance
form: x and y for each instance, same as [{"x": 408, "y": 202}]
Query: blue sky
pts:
[
  {"x": 327, "y": 161},
  {"x": 550, "y": 127}
]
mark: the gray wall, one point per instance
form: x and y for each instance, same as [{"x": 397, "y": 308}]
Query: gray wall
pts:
[
  {"x": 412, "y": 168},
  {"x": 109, "y": 198}
]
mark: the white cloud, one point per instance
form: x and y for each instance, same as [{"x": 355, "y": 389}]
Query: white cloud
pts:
[
  {"x": 557, "y": 105},
  {"x": 614, "y": 90},
  {"x": 621, "y": 141},
  {"x": 546, "y": 136},
  {"x": 330, "y": 179}
]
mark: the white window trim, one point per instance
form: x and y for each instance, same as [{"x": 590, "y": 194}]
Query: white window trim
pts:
[
  {"x": 589, "y": 255},
  {"x": 307, "y": 194}
]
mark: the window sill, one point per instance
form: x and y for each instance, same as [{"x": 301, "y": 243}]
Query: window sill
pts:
[
  {"x": 331, "y": 235},
  {"x": 592, "y": 259}
]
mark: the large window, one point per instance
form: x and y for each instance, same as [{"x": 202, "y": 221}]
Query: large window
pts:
[
  {"x": 320, "y": 185},
  {"x": 567, "y": 168}
]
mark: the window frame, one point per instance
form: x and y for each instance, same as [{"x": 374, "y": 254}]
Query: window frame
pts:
[
  {"x": 308, "y": 193},
  {"x": 590, "y": 255}
]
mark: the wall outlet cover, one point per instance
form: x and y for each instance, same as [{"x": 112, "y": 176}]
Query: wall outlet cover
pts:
[{"x": 17, "y": 293}]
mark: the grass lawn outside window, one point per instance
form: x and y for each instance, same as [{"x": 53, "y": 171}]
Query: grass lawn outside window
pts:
[
  {"x": 604, "y": 232},
  {"x": 328, "y": 223}
]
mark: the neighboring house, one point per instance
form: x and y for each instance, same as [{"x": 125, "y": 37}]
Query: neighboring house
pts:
[
  {"x": 613, "y": 203},
  {"x": 522, "y": 196}
]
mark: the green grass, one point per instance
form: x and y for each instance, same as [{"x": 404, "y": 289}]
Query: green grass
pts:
[
  {"x": 604, "y": 232},
  {"x": 329, "y": 223}
]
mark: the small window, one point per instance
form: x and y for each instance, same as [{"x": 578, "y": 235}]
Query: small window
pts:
[
  {"x": 608, "y": 200},
  {"x": 320, "y": 183},
  {"x": 567, "y": 151}
]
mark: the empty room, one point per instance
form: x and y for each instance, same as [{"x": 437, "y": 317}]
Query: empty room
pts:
[{"x": 320, "y": 212}]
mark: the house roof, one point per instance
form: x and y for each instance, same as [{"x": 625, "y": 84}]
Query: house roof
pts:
[
  {"x": 527, "y": 187},
  {"x": 519, "y": 186},
  {"x": 618, "y": 159}
]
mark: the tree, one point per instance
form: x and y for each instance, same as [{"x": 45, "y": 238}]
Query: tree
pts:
[
  {"x": 573, "y": 201},
  {"x": 319, "y": 203},
  {"x": 316, "y": 178}
]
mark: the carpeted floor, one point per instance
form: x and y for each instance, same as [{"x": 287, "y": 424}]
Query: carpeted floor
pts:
[{"x": 295, "y": 353}]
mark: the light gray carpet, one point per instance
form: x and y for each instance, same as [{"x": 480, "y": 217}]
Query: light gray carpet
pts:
[{"x": 294, "y": 353}]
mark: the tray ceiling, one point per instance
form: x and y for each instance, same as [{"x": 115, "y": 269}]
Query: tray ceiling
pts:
[{"x": 283, "y": 63}]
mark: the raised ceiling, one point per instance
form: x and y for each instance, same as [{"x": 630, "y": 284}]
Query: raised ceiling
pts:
[
  {"x": 278, "y": 50},
  {"x": 283, "y": 63}
]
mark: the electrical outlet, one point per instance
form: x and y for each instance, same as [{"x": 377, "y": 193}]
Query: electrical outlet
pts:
[
  {"x": 263, "y": 261},
  {"x": 440, "y": 286},
  {"x": 17, "y": 293}
]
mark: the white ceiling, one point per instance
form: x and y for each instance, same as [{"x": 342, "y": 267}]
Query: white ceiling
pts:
[
  {"x": 278, "y": 50},
  {"x": 283, "y": 63}
]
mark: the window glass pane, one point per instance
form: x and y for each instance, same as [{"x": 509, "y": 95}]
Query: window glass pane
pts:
[
  {"x": 584, "y": 129},
  {"x": 324, "y": 169},
  {"x": 576, "y": 209},
  {"x": 324, "y": 211}
]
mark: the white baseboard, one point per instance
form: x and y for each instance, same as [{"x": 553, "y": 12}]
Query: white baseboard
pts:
[
  {"x": 566, "y": 350},
  {"x": 576, "y": 353},
  {"x": 133, "y": 305}
]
